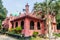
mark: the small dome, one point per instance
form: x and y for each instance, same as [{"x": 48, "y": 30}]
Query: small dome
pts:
[{"x": 15, "y": 14}]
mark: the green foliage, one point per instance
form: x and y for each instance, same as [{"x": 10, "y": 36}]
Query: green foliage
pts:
[
  {"x": 36, "y": 38},
  {"x": 3, "y": 30},
  {"x": 53, "y": 6},
  {"x": 13, "y": 31},
  {"x": 17, "y": 30},
  {"x": 47, "y": 6},
  {"x": 57, "y": 35},
  {"x": 35, "y": 34},
  {"x": 3, "y": 12},
  {"x": 0, "y": 23}
]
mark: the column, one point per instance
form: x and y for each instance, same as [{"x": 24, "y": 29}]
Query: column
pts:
[
  {"x": 19, "y": 22},
  {"x": 35, "y": 25},
  {"x": 10, "y": 25},
  {"x": 14, "y": 24},
  {"x": 42, "y": 28},
  {"x": 54, "y": 24},
  {"x": 26, "y": 27},
  {"x": 54, "y": 27}
]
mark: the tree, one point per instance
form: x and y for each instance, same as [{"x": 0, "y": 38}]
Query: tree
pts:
[
  {"x": 53, "y": 6},
  {"x": 3, "y": 12},
  {"x": 49, "y": 6}
]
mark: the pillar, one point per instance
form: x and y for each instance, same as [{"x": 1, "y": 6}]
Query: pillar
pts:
[
  {"x": 26, "y": 27},
  {"x": 19, "y": 23},
  {"x": 54, "y": 25},
  {"x": 14, "y": 24},
  {"x": 35, "y": 25},
  {"x": 10, "y": 25},
  {"x": 42, "y": 27}
]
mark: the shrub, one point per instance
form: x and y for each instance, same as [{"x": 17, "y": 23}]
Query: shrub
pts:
[
  {"x": 17, "y": 30},
  {"x": 13, "y": 30},
  {"x": 3, "y": 30},
  {"x": 35, "y": 34}
]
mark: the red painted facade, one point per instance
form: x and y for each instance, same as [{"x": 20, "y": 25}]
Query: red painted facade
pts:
[{"x": 27, "y": 17}]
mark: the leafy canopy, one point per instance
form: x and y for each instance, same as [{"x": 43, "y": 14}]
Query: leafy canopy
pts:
[
  {"x": 50, "y": 6},
  {"x": 3, "y": 12}
]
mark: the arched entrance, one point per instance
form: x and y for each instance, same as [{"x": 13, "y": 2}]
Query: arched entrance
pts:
[
  {"x": 38, "y": 25},
  {"x": 31, "y": 25},
  {"x": 22, "y": 24}
]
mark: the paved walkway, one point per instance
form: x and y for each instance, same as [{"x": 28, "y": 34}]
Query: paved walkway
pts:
[{"x": 4, "y": 37}]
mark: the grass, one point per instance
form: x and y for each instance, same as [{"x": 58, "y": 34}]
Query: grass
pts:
[
  {"x": 37, "y": 38},
  {"x": 58, "y": 35}
]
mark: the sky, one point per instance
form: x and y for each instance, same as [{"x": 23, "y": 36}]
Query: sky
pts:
[{"x": 16, "y": 6}]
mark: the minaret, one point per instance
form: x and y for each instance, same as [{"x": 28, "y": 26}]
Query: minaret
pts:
[{"x": 27, "y": 8}]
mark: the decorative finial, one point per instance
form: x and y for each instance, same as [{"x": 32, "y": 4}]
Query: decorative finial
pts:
[
  {"x": 10, "y": 14},
  {"x": 19, "y": 13},
  {"x": 27, "y": 4},
  {"x": 27, "y": 8}
]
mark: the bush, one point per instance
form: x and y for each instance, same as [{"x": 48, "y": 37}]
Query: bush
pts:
[
  {"x": 17, "y": 30},
  {"x": 3, "y": 30},
  {"x": 35, "y": 34},
  {"x": 13, "y": 31}
]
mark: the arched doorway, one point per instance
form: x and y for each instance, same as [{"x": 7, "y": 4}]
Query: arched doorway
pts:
[
  {"x": 16, "y": 24},
  {"x": 12, "y": 25},
  {"x": 31, "y": 25},
  {"x": 38, "y": 25},
  {"x": 22, "y": 24}
]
